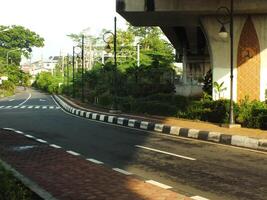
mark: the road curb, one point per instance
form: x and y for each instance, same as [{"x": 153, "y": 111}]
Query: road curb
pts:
[{"x": 216, "y": 137}]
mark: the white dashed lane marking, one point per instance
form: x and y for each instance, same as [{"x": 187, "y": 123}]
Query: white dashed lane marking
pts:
[
  {"x": 165, "y": 152},
  {"x": 31, "y": 107},
  {"x": 198, "y": 198},
  {"x": 95, "y": 161},
  {"x": 55, "y": 146},
  {"x": 122, "y": 171},
  {"x": 159, "y": 184},
  {"x": 73, "y": 153}
]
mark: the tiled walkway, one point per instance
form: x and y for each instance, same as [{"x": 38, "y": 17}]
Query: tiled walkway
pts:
[{"x": 66, "y": 176}]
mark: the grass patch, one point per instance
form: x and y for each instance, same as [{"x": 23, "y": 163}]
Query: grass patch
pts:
[{"x": 13, "y": 189}]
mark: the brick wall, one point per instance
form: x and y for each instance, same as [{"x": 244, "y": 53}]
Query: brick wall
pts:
[{"x": 248, "y": 63}]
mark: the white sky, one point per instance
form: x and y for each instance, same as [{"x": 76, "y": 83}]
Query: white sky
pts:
[{"x": 54, "y": 19}]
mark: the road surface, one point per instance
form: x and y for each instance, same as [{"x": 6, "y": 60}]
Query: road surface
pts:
[{"x": 190, "y": 167}]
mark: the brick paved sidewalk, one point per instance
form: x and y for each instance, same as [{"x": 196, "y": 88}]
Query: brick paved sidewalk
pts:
[
  {"x": 206, "y": 126},
  {"x": 70, "y": 177}
]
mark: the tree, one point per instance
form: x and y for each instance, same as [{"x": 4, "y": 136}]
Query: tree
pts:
[{"x": 20, "y": 39}]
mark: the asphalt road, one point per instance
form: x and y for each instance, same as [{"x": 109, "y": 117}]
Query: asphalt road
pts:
[{"x": 208, "y": 170}]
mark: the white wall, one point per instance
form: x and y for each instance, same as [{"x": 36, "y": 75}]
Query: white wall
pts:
[{"x": 220, "y": 53}]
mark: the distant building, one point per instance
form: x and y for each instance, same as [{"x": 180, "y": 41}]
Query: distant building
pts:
[{"x": 39, "y": 66}]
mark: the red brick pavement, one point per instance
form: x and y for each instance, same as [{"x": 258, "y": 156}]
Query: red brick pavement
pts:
[{"x": 70, "y": 177}]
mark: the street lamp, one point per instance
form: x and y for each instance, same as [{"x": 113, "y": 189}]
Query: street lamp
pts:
[
  {"x": 82, "y": 68},
  {"x": 75, "y": 51},
  {"x": 114, "y": 108},
  {"x": 229, "y": 13}
]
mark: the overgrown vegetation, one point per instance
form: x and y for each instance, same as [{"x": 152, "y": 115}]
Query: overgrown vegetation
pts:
[{"x": 12, "y": 189}]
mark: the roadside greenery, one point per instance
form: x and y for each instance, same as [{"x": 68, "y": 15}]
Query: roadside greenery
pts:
[
  {"x": 148, "y": 88},
  {"x": 15, "y": 42},
  {"x": 12, "y": 189}
]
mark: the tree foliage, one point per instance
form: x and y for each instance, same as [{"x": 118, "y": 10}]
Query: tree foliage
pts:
[
  {"x": 20, "y": 38},
  {"x": 16, "y": 41}
]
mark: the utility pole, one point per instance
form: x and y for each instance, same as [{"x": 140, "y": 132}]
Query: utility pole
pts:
[
  {"x": 83, "y": 68},
  {"x": 68, "y": 73},
  {"x": 73, "y": 72},
  {"x": 232, "y": 121},
  {"x": 138, "y": 55}
]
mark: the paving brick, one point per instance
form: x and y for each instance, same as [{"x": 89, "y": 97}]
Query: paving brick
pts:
[{"x": 72, "y": 177}]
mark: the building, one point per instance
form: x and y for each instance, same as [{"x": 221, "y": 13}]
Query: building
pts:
[
  {"x": 39, "y": 66},
  {"x": 193, "y": 28}
]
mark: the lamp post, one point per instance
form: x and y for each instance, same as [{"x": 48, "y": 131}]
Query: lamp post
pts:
[
  {"x": 74, "y": 52},
  {"x": 82, "y": 68},
  {"x": 68, "y": 74},
  {"x": 229, "y": 13},
  {"x": 114, "y": 108}
]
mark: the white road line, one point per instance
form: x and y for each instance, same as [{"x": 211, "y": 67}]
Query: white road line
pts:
[
  {"x": 51, "y": 107},
  {"x": 42, "y": 100},
  {"x": 30, "y": 95},
  {"x": 44, "y": 107},
  {"x": 42, "y": 141},
  {"x": 73, "y": 153},
  {"x": 15, "y": 106},
  {"x": 55, "y": 146},
  {"x": 9, "y": 107},
  {"x": 29, "y": 136},
  {"x": 2, "y": 106},
  {"x": 23, "y": 107},
  {"x": 165, "y": 152},
  {"x": 122, "y": 171},
  {"x": 12, "y": 100},
  {"x": 20, "y": 132},
  {"x": 159, "y": 184},
  {"x": 37, "y": 107},
  {"x": 95, "y": 161},
  {"x": 30, "y": 107},
  {"x": 9, "y": 129},
  {"x": 57, "y": 107},
  {"x": 198, "y": 198}
]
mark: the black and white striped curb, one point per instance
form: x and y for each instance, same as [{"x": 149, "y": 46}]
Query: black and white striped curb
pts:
[{"x": 235, "y": 140}]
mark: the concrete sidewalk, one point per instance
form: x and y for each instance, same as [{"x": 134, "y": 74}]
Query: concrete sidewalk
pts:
[
  {"x": 58, "y": 174},
  {"x": 243, "y": 137}
]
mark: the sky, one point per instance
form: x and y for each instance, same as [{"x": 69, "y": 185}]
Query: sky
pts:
[{"x": 54, "y": 19}]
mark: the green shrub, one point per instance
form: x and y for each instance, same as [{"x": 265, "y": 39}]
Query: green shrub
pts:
[
  {"x": 7, "y": 88},
  {"x": 155, "y": 108},
  {"x": 211, "y": 111},
  {"x": 251, "y": 113}
]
